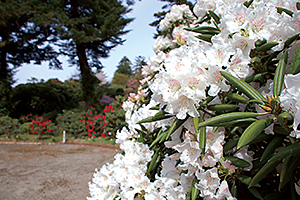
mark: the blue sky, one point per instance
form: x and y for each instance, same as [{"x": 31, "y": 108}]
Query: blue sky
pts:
[{"x": 138, "y": 42}]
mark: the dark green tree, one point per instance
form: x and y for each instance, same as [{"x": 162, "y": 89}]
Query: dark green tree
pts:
[
  {"x": 139, "y": 62},
  {"x": 22, "y": 40},
  {"x": 47, "y": 99},
  {"x": 89, "y": 30},
  {"x": 124, "y": 67}
]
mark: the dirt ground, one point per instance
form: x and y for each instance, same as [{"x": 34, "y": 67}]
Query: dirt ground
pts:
[{"x": 57, "y": 171}]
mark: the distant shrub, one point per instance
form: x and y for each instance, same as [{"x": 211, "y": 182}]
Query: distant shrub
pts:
[
  {"x": 94, "y": 122},
  {"x": 115, "y": 116},
  {"x": 41, "y": 126},
  {"x": 69, "y": 121},
  {"x": 9, "y": 126}
]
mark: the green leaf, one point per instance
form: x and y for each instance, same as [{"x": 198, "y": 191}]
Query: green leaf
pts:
[
  {"x": 206, "y": 101},
  {"x": 205, "y": 37},
  {"x": 260, "y": 138},
  {"x": 279, "y": 74},
  {"x": 287, "y": 169},
  {"x": 237, "y": 161},
  {"x": 280, "y": 130},
  {"x": 244, "y": 87},
  {"x": 198, "y": 29},
  {"x": 160, "y": 134},
  {"x": 152, "y": 163},
  {"x": 271, "y": 147},
  {"x": 237, "y": 98},
  {"x": 202, "y": 140},
  {"x": 205, "y": 32},
  {"x": 156, "y": 165},
  {"x": 223, "y": 107},
  {"x": 154, "y": 108},
  {"x": 228, "y": 117},
  {"x": 298, "y": 5},
  {"x": 239, "y": 122},
  {"x": 253, "y": 131},
  {"x": 294, "y": 195},
  {"x": 158, "y": 116},
  {"x": 255, "y": 77},
  {"x": 284, "y": 173},
  {"x": 176, "y": 124},
  {"x": 246, "y": 179},
  {"x": 291, "y": 150},
  {"x": 206, "y": 17},
  {"x": 196, "y": 124},
  {"x": 256, "y": 193},
  {"x": 230, "y": 144},
  {"x": 214, "y": 16},
  {"x": 193, "y": 191},
  {"x": 289, "y": 12},
  {"x": 266, "y": 46},
  {"x": 289, "y": 41},
  {"x": 263, "y": 172},
  {"x": 233, "y": 190},
  {"x": 295, "y": 64},
  {"x": 248, "y": 3}
]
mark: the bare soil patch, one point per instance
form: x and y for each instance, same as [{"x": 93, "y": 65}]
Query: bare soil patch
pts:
[{"x": 56, "y": 171}]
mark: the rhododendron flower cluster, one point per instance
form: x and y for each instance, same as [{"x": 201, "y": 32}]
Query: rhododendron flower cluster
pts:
[
  {"x": 40, "y": 126},
  {"x": 218, "y": 89},
  {"x": 94, "y": 122}
]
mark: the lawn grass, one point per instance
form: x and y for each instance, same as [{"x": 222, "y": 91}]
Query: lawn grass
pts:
[{"x": 59, "y": 138}]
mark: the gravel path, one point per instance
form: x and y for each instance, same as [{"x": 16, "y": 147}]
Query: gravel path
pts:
[{"x": 57, "y": 171}]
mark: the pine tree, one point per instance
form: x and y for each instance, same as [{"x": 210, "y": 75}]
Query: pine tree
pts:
[
  {"x": 89, "y": 30},
  {"x": 124, "y": 67},
  {"x": 22, "y": 40}
]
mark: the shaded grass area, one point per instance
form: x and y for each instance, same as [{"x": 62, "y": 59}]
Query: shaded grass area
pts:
[{"x": 59, "y": 138}]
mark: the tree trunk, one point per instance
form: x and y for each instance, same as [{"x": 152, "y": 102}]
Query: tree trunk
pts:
[
  {"x": 87, "y": 79},
  {"x": 4, "y": 67},
  {"x": 5, "y": 77}
]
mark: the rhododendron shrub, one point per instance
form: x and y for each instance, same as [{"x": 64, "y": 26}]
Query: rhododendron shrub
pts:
[
  {"x": 41, "y": 126},
  {"x": 217, "y": 116},
  {"x": 69, "y": 121},
  {"x": 94, "y": 122},
  {"x": 115, "y": 117}
]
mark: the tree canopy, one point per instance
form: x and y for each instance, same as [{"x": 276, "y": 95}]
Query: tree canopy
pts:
[
  {"x": 89, "y": 29},
  {"x": 21, "y": 40},
  {"x": 124, "y": 67}
]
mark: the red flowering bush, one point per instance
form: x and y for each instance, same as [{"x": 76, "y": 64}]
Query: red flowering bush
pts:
[
  {"x": 41, "y": 126},
  {"x": 115, "y": 116},
  {"x": 94, "y": 122}
]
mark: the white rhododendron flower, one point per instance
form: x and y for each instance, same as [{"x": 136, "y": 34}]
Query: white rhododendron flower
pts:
[
  {"x": 214, "y": 147},
  {"x": 177, "y": 12},
  {"x": 209, "y": 183},
  {"x": 163, "y": 42},
  {"x": 202, "y": 6},
  {"x": 185, "y": 73},
  {"x": 290, "y": 100},
  {"x": 223, "y": 192},
  {"x": 126, "y": 176},
  {"x": 246, "y": 155}
]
